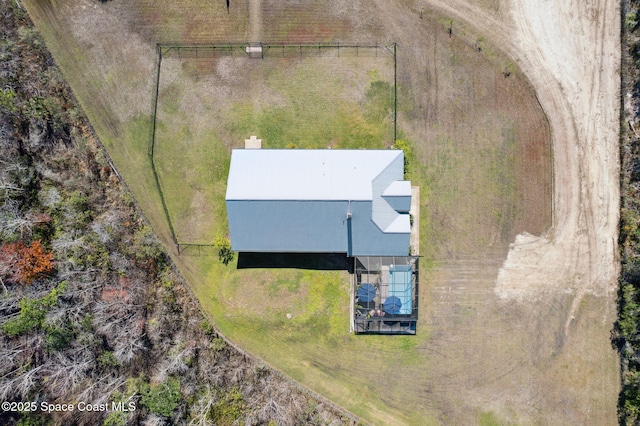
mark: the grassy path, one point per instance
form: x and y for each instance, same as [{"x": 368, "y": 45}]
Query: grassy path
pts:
[{"x": 255, "y": 20}]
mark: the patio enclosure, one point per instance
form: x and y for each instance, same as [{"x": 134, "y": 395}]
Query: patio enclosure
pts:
[{"x": 385, "y": 295}]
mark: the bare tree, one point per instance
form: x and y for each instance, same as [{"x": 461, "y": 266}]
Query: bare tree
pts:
[
  {"x": 64, "y": 374},
  {"x": 21, "y": 385},
  {"x": 200, "y": 410}
]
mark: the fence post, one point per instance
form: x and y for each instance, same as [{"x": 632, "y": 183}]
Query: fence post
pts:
[{"x": 395, "y": 94}]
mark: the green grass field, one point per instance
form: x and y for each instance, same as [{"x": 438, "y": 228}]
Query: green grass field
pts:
[
  {"x": 309, "y": 102},
  {"x": 468, "y": 156},
  {"x": 301, "y": 103}
]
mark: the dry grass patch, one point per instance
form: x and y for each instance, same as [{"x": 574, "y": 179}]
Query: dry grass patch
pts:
[{"x": 206, "y": 107}]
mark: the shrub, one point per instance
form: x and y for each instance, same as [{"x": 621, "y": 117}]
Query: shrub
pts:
[
  {"x": 108, "y": 359},
  {"x": 228, "y": 409},
  {"x": 87, "y": 323},
  {"x": 32, "y": 419},
  {"x": 207, "y": 327},
  {"x": 33, "y": 313},
  {"x": 22, "y": 264},
  {"x": 161, "y": 399},
  {"x": 408, "y": 153},
  {"x": 115, "y": 418},
  {"x": 8, "y": 101},
  {"x": 631, "y": 20},
  {"x": 223, "y": 246},
  {"x": 57, "y": 337},
  {"x": 217, "y": 344},
  {"x": 119, "y": 418},
  {"x": 146, "y": 246}
]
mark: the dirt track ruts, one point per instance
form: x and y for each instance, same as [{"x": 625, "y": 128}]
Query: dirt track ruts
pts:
[
  {"x": 571, "y": 55},
  {"x": 570, "y": 52}
]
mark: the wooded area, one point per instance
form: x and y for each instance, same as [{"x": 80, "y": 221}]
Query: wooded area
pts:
[
  {"x": 91, "y": 309},
  {"x": 626, "y": 335}
]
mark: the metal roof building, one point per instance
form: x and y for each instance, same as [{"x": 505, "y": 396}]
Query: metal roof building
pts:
[{"x": 319, "y": 201}]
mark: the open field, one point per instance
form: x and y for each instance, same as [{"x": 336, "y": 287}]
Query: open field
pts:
[
  {"x": 312, "y": 98},
  {"x": 526, "y": 343}
]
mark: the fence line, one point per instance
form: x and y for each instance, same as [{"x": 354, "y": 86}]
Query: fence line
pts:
[
  {"x": 191, "y": 249},
  {"x": 275, "y": 50},
  {"x": 152, "y": 150},
  {"x": 248, "y": 50}
]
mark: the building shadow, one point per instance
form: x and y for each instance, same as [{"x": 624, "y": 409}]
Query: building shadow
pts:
[{"x": 315, "y": 261}]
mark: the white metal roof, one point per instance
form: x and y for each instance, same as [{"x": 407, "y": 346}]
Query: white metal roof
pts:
[
  {"x": 301, "y": 174},
  {"x": 399, "y": 188},
  {"x": 401, "y": 224}
]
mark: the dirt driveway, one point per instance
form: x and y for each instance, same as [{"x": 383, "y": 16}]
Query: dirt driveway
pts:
[
  {"x": 557, "y": 289},
  {"x": 571, "y": 53}
]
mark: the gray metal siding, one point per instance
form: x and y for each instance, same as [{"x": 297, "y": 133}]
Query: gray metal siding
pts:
[{"x": 288, "y": 226}]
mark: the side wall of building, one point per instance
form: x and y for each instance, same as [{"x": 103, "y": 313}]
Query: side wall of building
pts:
[
  {"x": 310, "y": 227},
  {"x": 288, "y": 226}
]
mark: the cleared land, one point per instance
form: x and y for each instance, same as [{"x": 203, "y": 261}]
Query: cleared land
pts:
[
  {"x": 313, "y": 97},
  {"x": 485, "y": 352}
]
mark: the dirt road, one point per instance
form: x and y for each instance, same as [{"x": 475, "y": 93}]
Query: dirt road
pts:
[
  {"x": 576, "y": 49},
  {"x": 557, "y": 289},
  {"x": 255, "y": 20},
  {"x": 571, "y": 54}
]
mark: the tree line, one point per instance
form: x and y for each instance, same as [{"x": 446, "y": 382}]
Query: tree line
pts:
[
  {"x": 626, "y": 333},
  {"x": 91, "y": 309}
]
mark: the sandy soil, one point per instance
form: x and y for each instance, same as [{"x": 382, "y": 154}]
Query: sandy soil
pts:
[
  {"x": 577, "y": 51},
  {"x": 570, "y": 51},
  {"x": 571, "y": 54}
]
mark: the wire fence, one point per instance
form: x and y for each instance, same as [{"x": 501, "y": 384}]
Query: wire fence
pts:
[
  {"x": 151, "y": 152},
  {"x": 191, "y": 249},
  {"x": 266, "y": 50},
  {"x": 255, "y": 51}
]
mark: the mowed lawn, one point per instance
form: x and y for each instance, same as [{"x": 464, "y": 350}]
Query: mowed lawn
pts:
[
  {"x": 467, "y": 144},
  {"x": 207, "y": 107},
  {"x": 310, "y": 102}
]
